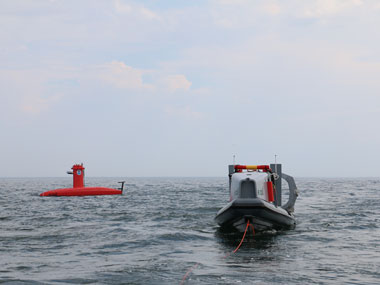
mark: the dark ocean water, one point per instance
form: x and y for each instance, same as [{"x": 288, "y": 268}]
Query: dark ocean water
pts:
[{"x": 161, "y": 227}]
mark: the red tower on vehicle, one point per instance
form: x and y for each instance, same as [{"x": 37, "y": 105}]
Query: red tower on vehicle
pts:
[{"x": 78, "y": 175}]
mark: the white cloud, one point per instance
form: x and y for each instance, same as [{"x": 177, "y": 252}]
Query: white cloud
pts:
[
  {"x": 25, "y": 90},
  {"x": 136, "y": 10},
  {"x": 242, "y": 14},
  {"x": 321, "y": 8},
  {"x": 272, "y": 8},
  {"x": 177, "y": 82},
  {"x": 221, "y": 58},
  {"x": 37, "y": 90},
  {"x": 149, "y": 14},
  {"x": 203, "y": 91},
  {"x": 122, "y": 7},
  {"x": 120, "y": 75},
  {"x": 183, "y": 112},
  {"x": 35, "y": 103},
  {"x": 232, "y": 2}
]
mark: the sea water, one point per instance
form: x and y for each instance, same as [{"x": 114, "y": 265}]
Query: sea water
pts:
[{"x": 161, "y": 227}]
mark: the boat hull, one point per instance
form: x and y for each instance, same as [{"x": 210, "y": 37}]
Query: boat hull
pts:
[
  {"x": 261, "y": 214},
  {"x": 82, "y": 191}
]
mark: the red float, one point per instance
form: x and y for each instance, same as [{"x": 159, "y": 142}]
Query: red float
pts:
[
  {"x": 78, "y": 186},
  {"x": 239, "y": 168},
  {"x": 270, "y": 191}
]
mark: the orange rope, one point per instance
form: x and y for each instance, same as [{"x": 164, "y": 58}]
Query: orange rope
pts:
[
  {"x": 236, "y": 249},
  {"x": 253, "y": 230},
  {"x": 188, "y": 272},
  {"x": 246, "y": 228}
]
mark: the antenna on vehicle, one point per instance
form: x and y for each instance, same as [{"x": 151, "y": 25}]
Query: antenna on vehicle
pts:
[
  {"x": 233, "y": 159},
  {"x": 122, "y": 186},
  {"x": 275, "y": 163}
]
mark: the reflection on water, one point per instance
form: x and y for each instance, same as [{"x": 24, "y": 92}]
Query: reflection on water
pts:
[{"x": 230, "y": 237}]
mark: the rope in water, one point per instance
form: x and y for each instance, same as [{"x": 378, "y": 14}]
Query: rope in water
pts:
[
  {"x": 236, "y": 249},
  {"x": 188, "y": 272}
]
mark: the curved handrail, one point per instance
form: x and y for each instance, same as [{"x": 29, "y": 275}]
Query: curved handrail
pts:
[{"x": 293, "y": 193}]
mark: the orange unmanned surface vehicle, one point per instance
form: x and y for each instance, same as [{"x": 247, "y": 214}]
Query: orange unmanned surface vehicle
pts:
[{"x": 79, "y": 189}]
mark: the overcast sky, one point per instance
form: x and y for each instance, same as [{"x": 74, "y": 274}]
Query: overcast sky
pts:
[{"x": 176, "y": 88}]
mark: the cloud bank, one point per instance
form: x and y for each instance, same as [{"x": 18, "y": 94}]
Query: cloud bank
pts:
[{"x": 210, "y": 77}]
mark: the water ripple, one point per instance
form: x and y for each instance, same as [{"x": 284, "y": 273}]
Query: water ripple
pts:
[{"x": 161, "y": 227}]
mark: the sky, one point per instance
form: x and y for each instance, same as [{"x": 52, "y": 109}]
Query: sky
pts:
[{"x": 176, "y": 88}]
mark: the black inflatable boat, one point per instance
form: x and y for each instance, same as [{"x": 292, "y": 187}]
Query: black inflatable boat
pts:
[{"x": 255, "y": 196}]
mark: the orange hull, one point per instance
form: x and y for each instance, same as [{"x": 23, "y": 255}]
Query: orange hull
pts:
[{"x": 82, "y": 191}]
